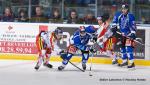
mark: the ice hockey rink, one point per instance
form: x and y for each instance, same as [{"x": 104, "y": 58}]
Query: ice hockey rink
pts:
[{"x": 21, "y": 72}]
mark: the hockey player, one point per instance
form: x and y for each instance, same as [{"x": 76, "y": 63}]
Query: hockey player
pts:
[
  {"x": 45, "y": 45},
  {"x": 127, "y": 28},
  {"x": 79, "y": 41},
  {"x": 105, "y": 38}
]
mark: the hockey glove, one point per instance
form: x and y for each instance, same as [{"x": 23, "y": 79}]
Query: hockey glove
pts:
[
  {"x": 132, "y": 36},
  {"x": 92, "y": 50},
  {"x": 114, "y": 29},
  {"x": 94, "y": 38}
]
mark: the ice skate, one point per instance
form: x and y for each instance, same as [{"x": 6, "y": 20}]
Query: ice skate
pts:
[
  {"x": 84, "y": 66},
  {"x": 131, "y": 66},
  {"x": 114, "y": 62},
  {"x": 36, "y": 67},
  {"x": 60, "y": 68},
  {"x": 123, "y": 64},
  {"x": 48, "y": 65}
]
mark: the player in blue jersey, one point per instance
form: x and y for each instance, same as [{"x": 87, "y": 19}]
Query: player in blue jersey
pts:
[
  {"x": 79, "y": 41},
  {"x": 127, "y": 28}
]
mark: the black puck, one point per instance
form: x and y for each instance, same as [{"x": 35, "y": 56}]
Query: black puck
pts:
[{"x": 90, "y": 75}]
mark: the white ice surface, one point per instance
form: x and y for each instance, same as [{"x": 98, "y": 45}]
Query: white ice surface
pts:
[{"x": 18, "y": 72}]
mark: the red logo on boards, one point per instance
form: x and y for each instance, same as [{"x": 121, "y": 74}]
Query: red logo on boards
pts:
[{"x": 10, "y": 27}]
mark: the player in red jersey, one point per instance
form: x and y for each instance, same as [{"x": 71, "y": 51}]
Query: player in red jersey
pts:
[
  {"x": 45, "y": 44},
  {"x": 105, "y": 38}
]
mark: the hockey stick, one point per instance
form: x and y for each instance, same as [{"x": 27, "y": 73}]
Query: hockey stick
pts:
[
  {"x": 63, "y": 53},
  {"x": 135, "y": 40},
  {"x": 77, "y": 63},
  {"x": 76, "y": 66},
  {"x": 91, "y": 64}
]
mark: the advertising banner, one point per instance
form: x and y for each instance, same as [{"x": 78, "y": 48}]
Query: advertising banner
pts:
[{"x": 20, "y": 38}]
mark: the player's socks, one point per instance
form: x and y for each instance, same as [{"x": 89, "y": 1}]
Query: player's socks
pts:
[{"x": 40, "y": 59}]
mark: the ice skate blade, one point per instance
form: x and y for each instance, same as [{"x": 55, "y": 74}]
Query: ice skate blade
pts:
[{"x": 132, "y": 69}]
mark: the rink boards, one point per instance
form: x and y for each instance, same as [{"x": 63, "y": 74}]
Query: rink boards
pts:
[
  {"x": 17, "y": 41},
  {"x": 98, "y": 60}
]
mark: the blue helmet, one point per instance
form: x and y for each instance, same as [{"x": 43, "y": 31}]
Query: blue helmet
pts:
[
  {"x": 125, "y": 6},
  {"x": 82, "y": 29}
]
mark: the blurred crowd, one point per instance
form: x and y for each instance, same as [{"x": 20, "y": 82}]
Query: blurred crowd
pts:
[
  {"x": 39, "y": 17},
  {"x": 54, "y": 17}
]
